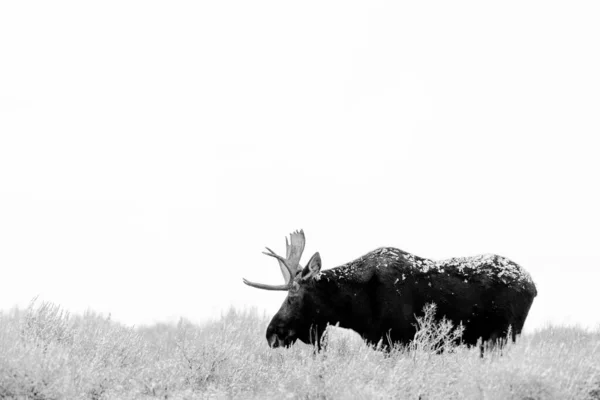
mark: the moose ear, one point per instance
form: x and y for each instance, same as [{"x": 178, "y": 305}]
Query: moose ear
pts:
[{"x": 313, "y": 267}]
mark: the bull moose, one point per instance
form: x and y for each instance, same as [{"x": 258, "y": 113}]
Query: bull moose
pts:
[{"x": 380, "y": 294}]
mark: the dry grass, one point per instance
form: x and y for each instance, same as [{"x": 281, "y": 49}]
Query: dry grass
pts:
[{"x": 48, "y": 354}]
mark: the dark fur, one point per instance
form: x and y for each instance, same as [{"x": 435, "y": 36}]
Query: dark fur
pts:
[{"x": 380, "y": 294}]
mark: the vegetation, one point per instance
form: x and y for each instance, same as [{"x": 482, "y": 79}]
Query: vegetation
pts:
[{"x": 45, "y": 353}]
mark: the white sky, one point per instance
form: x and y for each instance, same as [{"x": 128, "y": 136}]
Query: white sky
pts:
[{"x": 150, "y": 150}]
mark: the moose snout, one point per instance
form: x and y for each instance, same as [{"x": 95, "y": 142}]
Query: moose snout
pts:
[
  {"x": 274, "y": 341},
  {"x": 280, "y": 338}
]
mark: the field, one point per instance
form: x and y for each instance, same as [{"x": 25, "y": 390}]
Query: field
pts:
[{"x": 45, "y": 353}]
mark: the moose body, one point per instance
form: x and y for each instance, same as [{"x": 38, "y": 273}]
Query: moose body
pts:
[{"x": 380, "y": 295}]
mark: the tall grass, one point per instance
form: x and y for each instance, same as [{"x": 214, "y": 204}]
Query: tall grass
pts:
[{"x": 45, "y": 353}]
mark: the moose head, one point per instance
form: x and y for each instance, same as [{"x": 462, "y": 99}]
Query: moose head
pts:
[{"x": 295, "y": 319}]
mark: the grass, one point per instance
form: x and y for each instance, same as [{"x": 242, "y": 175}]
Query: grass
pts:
[{"x": 45, "y": 353}]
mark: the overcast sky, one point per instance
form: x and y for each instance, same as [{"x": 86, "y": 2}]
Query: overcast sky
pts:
[{"x": 150, "y": 150}]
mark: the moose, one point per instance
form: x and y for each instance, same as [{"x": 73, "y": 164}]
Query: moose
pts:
[{"x": 380, "y": 295}]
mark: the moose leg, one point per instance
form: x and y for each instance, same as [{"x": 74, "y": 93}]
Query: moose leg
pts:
[
  {"x": 496, "y": 341},
  {"x": 317, "y": 338}
]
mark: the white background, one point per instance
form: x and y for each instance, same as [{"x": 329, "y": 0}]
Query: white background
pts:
[{"x": 149, "y": 150}]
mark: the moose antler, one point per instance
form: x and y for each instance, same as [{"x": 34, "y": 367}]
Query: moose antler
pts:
[{"x": 289, "y": 265}]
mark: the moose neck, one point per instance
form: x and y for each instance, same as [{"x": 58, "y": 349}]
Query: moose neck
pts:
[{"x": 341, "y": 301}]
